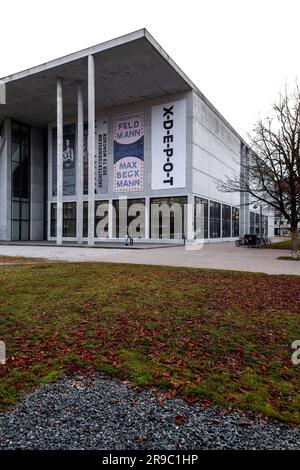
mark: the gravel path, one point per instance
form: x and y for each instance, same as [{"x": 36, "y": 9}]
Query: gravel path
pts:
[{"x": 80, "y": 413}]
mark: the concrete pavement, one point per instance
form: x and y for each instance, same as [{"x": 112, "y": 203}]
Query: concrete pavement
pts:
[{"x": 211, "y": 256}]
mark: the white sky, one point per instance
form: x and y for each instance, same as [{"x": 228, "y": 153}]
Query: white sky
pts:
[{"x": 239, "y": 53}]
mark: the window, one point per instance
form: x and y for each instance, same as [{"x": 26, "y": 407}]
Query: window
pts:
[
  {"x": 215, "y": 219},
  {"x": 129, "y": 214},
  {"x": 20, "y": 181},
  {"x": 235, "y": 222},
  {"x": 201, "y": 217},
  {"x": 69, "y": 219},
  {"x": 168, "y": 217},
  {"x": 226, "y": 221},
  {"x": 53, "y": 216},
  {"x": 85, "y": 227},
  {"x": 101, "y": 219},
  {"x": 252, "y": 223}
]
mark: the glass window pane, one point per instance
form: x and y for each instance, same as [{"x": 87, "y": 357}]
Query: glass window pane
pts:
[
  {"x": 201, "y": 217},
  {"x": 25, "y": 211},
  {"x": 15, "y": 210},
  {"x": 15, "y": 230},
  {"x": 15, "y": 152},
  {"x": 215, "y": 219},
  {"x": 168, "y": 217},
  {"x": 24, "y": 230}
]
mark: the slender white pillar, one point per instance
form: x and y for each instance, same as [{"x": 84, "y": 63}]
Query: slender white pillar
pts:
[
  {"x": 79, "y": 173},
  {"x": 147, "y": 218},
  {"x": 190, "y": 218},
  {"x": 91, "y": 148},
  {"x": 59, "y": 183},
  {"x": 110, "y": 218}
]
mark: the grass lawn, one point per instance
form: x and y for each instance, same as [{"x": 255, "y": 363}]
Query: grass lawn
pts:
[
  {"x": 214, "y": 336},
  {"x": 284, "y": 245}
]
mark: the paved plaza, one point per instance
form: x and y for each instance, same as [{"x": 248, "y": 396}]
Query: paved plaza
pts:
[{"x": 212, "y": 256}]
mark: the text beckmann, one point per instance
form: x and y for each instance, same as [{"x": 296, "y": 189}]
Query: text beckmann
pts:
[{"x": 168, "y": 124}]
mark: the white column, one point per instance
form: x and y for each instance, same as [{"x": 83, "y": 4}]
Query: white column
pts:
[
  {"x": 91, "y": 148},
  {"x": 79, "y": 179},
  {"x": 110, "y": 218},
  {"x": 190, "y": 218},
  {"x": 147, "y": 218},
  {"x": 59, "y": 183}
]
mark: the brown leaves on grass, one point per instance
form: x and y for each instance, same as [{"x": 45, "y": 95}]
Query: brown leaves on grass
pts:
[{"x": 209, "y": 336}]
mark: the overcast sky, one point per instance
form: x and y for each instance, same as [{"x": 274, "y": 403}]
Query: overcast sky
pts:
[{"x": 239, "y": 53}]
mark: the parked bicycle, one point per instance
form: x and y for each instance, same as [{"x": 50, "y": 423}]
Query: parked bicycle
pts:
[{"x": 252, "y": 241}]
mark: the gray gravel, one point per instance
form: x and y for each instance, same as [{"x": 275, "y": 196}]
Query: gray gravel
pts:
[{"x": 80, "y": 413}]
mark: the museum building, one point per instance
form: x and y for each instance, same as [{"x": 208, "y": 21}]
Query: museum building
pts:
[{"x": 115, "y": 140}]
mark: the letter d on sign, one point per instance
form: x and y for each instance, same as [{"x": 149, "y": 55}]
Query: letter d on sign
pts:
[{"x": 2, "y": 353}]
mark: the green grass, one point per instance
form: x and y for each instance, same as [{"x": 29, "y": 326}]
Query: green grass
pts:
[
  {"x": 284, "y": 245},
  {"x": 213, "y": 336}
]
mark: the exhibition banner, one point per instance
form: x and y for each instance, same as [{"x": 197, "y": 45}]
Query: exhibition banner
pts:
[
  {"x": 169, "y": 145},
  {"x": 128, "y": 152},
  {"x": 101, "y": 157},
  {"x": 69, "y": 160}
]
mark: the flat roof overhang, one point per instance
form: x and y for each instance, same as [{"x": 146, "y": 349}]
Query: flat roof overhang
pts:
[
  {"x": 130, "y": 68},
  {"x": 127, "y": 69}
]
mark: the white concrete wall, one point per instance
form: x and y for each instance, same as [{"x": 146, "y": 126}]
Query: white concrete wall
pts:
[{"x": 216, "y": 154}]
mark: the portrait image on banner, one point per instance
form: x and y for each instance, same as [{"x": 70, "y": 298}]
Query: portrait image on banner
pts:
[
  {"x": 168, "y": 144},
  {"x": 101, "y": 157},
  {"x": 69, "y": 160},
  {"x": 129, "y": 151}
]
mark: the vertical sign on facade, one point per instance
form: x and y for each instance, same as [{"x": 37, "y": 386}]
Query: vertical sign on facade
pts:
[
  {"x": 169, "y": 145},
  {"x": 69, "y": 160},
  {"x": 129, "y": 152},
  {"x": 101, "y": 157}
]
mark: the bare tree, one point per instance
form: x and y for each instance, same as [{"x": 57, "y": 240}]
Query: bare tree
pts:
[{"x": 271, "y": 171}]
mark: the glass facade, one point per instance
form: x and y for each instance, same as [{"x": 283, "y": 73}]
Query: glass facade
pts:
[
  {"x": 53, "y": 218},
  {"x": 69, "y": 219},
  {"x": 20, "y": 182},
  {"x": 235, "y": 222},
  {"x": 252, "y": 223},
  {"x": 215, "y": 219},
  {"x": 200, "y": 217},
  {"x": 101, "y": 219},
  {"x": 226, "y": 221},
  {"x": 129, "y": 217},
  {"x": 168, "y": 217}
]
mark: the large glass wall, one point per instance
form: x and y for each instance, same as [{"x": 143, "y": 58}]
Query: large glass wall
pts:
[
  {"x": 215, "y": 219},
  {"x": 168, "y": 217},
  {"x": 235, "y": 222},
  {"x": 226, "y": 221},
  {"x": 201, "y": 217},
  {"x": 252, "y": 223},
  {"x": 129, "y": 217},
  {"x": 69, "y": 219},
  {"x": 20, "y": 182},
  {"x": 101, "y": 219}
]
